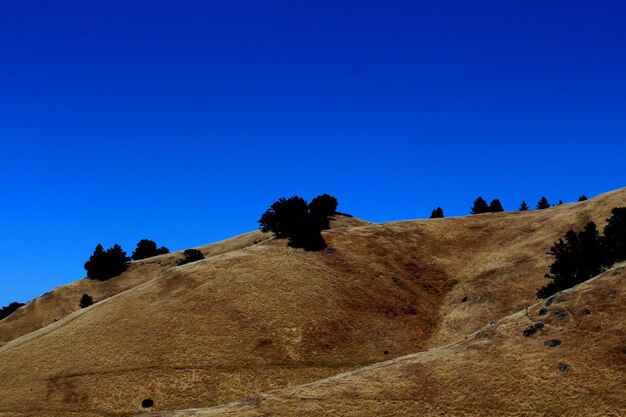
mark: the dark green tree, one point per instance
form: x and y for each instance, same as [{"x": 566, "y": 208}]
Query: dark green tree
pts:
[
  {"x": 323, "y": 205},
  {"x": 592, "y": 255},
  {"x": 523, "y": 206},
  {"x": 103, "y": 265},
  {"x": 437, "y": 213},
  {"x": 480, "y": 206},
  {"x": 321, "y": 208},
  {"x": 543, "y": 204},
  {"x": 495, "y": 206},
  {"x": 146, "y": 249},
  {"x": 85, "y": 301},
  {"x": 582, "y": 198},
  {"x": 285, "y": 217},
  {"x": 614, "y": 238},
  {"x": 191, "y": 255}
]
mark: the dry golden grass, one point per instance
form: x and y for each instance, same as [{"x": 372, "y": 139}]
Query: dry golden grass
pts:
[
  {"x": 61, "y": 301},
  {"x": 496, "y": 371},
  {"x": 256, "y": 315}
]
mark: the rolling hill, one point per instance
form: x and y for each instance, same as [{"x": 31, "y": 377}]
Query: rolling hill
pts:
[
  {"x": 575, "y": 365},
  {"x": 256, "y": 315}
]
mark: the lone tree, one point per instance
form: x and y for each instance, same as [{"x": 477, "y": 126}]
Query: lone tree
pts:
[
  {"x": 495, "y": 206},
  {"x": 523, "y": 206},
  {"x": 437, "y": 213},
  {"x": 300, "y": 222},
  {"x": 543, "y": 204},
  {"x": 103, "y": 265},
  {"x": 582, "y": 198},
  {"x": 480, "y": 206},
  {"x": 85, "y": 301},
  {"x": 146, "y": 249}
]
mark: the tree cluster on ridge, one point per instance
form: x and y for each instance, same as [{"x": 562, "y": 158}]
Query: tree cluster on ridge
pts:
[{"x": 292, "y": 218}]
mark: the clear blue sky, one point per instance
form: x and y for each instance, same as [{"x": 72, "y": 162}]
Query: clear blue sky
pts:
[{"x": 182, "y": 121}]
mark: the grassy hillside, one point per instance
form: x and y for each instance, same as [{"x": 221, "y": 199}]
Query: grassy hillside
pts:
[
  {"x": 61, "y": 301},
  {"x": 496, "y": 370},
  {"x": 256, "y": 315}
]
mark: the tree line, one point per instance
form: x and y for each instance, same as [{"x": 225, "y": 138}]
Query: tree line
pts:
[{"x": 480, "y": 206}]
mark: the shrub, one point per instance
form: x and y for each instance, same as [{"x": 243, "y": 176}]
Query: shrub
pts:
[
  {"x": 103, "y": 265},
  {"x": 543, "y": 204},
  {"x": 437, "y": 213},
  {"x": 523, "y": 206},
  {"x": 300, "y": 222},
  {"x": 480, "y": 206},
  {"x": 191, "y": 255},
  {"x": 146, "y": 249},
  {"x": 7, "y": 310},
  {"x": 495, "y": 206},
  {"x": 582, "y": 198},
  {"x": 85, "y": 301}
]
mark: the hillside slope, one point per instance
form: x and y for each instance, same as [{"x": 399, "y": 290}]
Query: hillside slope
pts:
[
  {"x": 575, "y": 365},
  {"x": 63, "y": 300},
  {"x": 256, "y": 315}
]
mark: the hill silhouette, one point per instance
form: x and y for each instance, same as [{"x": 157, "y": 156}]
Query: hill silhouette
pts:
[{"x": 256, "y": 315}]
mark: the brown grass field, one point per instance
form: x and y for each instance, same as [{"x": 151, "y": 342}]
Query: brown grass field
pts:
[{"x": 377, "y": 327}]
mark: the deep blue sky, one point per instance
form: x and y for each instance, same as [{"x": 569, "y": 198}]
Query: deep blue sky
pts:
[{"x": 182, "y": 121}]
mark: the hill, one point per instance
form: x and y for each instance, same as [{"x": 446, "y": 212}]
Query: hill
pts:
[
  {"x": 573, "y": 366},
  {"x": 256, "y": 315}
]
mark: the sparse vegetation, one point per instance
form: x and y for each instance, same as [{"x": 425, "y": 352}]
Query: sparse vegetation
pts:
[
  {"x": 85, "y": 301},
  {"x": 300, "y": 222},
  {"x": 437, "y": 213},
  {"x": 103, "y": 265},
  {"x": 543, "y": 203},
  {"x": 191, "y": 255},
  {"x": 7, "y": 310},
  {"x": 146, "y": 249},
  {"x": 583, "y": 255}
]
